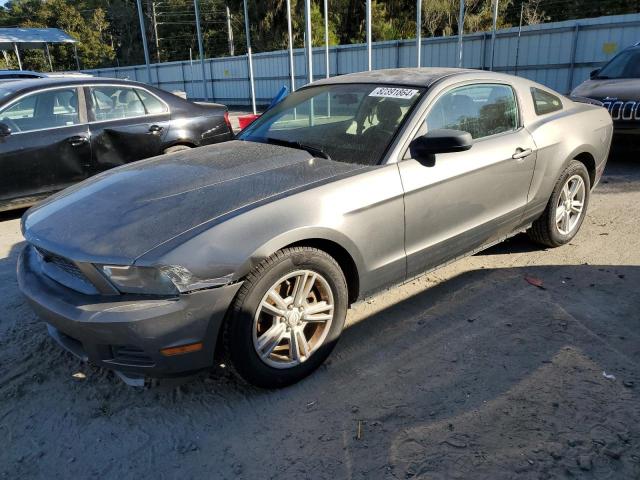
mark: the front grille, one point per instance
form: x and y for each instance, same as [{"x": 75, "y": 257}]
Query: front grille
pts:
[
  {"x": 622, "y": 110},
  {"x": 61, "y": 263},
  {"x": 130, "y": 355},
  {"x": 65, "y": 272}
]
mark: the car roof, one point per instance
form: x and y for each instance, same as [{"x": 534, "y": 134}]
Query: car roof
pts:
[
  {"x": 417, "y": 77},
  {"x": 23, "y": 85},
  {"x": 24, "y": 73}
]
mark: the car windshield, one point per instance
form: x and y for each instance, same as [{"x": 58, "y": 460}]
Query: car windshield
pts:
[
  {"x": 351, "y": 123},
  {"x": 625, "y": 65}
]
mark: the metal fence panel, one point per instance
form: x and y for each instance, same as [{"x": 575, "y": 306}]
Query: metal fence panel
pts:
[{"x": 559, "y": 55}]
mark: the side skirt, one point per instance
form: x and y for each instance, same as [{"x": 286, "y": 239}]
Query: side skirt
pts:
[{"x": 448, "y": 262}]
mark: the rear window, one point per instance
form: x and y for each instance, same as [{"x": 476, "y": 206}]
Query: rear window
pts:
[{"x": 545, "y": 102}]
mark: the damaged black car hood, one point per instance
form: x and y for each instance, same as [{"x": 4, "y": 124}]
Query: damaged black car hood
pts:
[{"x": 121, "y": 214}]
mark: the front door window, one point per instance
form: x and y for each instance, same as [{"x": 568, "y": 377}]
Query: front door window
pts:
[{"x": 42, "y": 110}]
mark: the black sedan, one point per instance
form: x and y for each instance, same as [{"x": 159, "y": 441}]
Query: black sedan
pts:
[
  {"x": 58, "y": 131},
  {"x": 617, "y": 86}
]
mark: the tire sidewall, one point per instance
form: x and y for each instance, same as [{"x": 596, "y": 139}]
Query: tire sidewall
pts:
[
  {"x": 242, "y": 352},
  {"x": 574, "y": 168}
]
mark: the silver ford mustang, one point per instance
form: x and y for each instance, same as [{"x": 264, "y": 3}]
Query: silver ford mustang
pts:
[{"x": 255, "y": 248}]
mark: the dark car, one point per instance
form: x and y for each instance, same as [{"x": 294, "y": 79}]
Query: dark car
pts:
[
  {"x": 58, "y": 131},
  {"x": 617, "y": 86}
]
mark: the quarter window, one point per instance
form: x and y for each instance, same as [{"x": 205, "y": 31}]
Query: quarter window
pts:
[
  {"x": 39, "y": 111},
  {"x": 544, "y": 102},
  {"x": 482, "y": 110},
  {"x": 114, "y": 102},
  {"x": 151, "y": 103}
]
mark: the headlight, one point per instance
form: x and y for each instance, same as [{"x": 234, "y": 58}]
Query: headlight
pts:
[{"x": 162, "y": 280}]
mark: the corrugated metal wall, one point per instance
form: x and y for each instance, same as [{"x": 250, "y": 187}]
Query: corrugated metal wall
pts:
[{"x": 559, "y": 55}]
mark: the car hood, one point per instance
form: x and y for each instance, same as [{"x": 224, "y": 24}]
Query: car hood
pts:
[
  {"x": 620, "y": 88},
  {"x": 121, "y": 214}
]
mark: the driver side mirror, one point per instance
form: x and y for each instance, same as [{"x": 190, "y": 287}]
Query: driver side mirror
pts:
[
  {"x": 594, "y": 73},
  {"x": 5, "y": 130},
  {"x": 426, "y": 146}
]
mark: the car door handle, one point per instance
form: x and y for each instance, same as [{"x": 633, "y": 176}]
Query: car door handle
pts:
[
  {"x": 521, "y": 153},
  {"x": 155, "y": 128},
  {"x": 77, "y": 140}
]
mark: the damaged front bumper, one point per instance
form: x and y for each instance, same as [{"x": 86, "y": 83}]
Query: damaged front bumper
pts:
[{"x": 127, "y": 333}]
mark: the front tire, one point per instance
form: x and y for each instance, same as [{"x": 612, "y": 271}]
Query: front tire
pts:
[
  {"x": 566, "y": 209},
  {"x": 286, "y": 318}
]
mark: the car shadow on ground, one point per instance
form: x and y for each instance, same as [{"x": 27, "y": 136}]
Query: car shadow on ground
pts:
[{"x": 484, "y": 372}]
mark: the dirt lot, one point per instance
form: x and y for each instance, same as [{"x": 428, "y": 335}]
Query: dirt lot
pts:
[{"x": 468, "y": 373}]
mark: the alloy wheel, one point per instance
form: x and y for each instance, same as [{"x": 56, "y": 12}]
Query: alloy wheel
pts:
[
  {"x": 570, "y": 204},
  {"x": 293, "y": 319}
]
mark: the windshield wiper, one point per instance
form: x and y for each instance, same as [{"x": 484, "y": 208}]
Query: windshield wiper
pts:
[{"x": 315, "y": 151}]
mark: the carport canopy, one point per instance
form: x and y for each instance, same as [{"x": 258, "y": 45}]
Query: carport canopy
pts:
[{"x": 16, "y": 38}]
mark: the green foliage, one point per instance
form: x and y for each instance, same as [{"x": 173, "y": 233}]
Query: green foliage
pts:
[
  {"x": 90, "y": 30},
  {"x": 109, "y": 31}
]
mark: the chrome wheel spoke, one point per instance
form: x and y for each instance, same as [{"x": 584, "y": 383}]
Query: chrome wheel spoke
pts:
[
  {"x": 308, "y": 286},
  {"x": 294, "y": 350},
  {"x": 275, "y": 297},
  {"x": 270, "y": 339},
  {"x": 272, "y": 310},
  {"x": 320, "y": 312},
  {"x": 302, "y": 288},
  {"x": 573, "y": 189},
  {"x": 302, "y": 343},
  {"x": 559, "y": 214},
  {"x": 576, "y": 206}
]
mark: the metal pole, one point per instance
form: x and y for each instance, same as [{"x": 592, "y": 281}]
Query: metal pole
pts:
[
  {"x": 191, "y": 69},
  {"x": 201, "y": 50},
  {"x": 15, "y": 46},
  {"x": 230, "y": 33},
  {"x": 308, "y": 40},
  {"x": 75, "y": 52},
  {"x": 291, "y": 70},
  {"x": 248, "y": 35},
  {"x": 46, "y": 46},
  {"x": 519, "y": 35},
  {"x": 493, "y": 32},
  {"x": 326, "y": 38},
  {"x": 369, "y": 34},
  {"x": 143, "y": 34},
  {"x": 460, "y": 32},
  {"x": 574, "y": 47},
  {"x": 155, "y": 30},
  {"x": 419, "y": 29}
]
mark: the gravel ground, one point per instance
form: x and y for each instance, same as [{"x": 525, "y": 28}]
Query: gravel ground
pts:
[{"x": 470, "y": 372}]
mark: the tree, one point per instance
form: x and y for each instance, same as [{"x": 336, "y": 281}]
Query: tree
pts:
[{"x": 93, "y": 51}]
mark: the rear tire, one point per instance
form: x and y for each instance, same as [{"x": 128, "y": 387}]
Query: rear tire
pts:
[
  {"x": 286, "y": 318},
  {"x": 177, "y": 148},
  {"x": 566, "y": 209}
]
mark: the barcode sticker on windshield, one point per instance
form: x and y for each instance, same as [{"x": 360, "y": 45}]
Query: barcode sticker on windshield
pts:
[{"x": 391, "y": 92}]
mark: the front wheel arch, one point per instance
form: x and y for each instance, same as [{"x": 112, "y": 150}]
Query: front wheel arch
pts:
[{"x": 334, "y": 243}]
